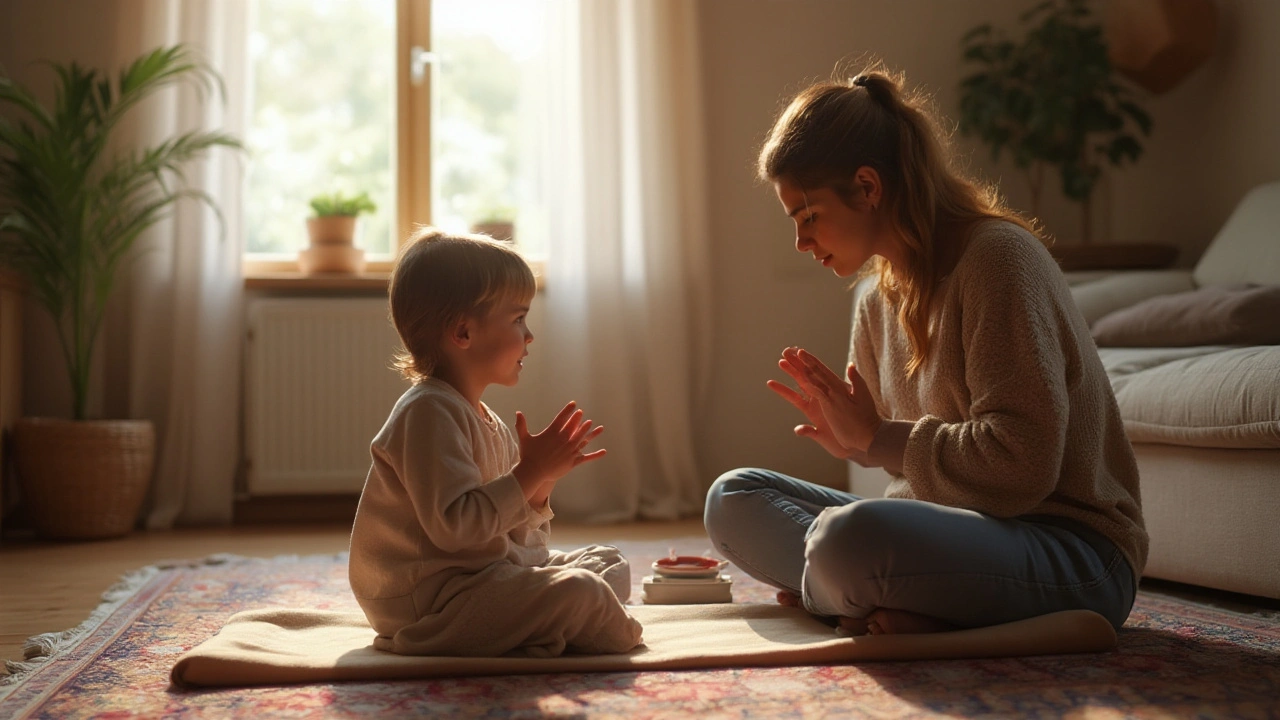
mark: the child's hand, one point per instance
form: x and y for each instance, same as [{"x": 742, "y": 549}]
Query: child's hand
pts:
[{"x": 551, "y": 454}]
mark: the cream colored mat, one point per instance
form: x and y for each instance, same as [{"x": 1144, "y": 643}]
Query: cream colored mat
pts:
[{"x": 269, "y": 647}]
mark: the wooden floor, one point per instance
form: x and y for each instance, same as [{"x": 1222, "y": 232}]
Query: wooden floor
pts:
[{"x": 47, "y": 587}]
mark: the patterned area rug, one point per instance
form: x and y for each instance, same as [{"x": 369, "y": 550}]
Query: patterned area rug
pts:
[{"x": 1175, "y": 659}]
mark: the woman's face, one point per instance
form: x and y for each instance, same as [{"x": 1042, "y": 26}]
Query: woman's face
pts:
[{"x": 837, "y": 235}]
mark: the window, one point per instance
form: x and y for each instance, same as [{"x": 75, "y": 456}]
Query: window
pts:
[{"x": 417, "y": 103}]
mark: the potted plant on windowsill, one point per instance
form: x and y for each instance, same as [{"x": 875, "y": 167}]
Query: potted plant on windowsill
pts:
[
  {"x": 332, "y": 231},
  {"x": 1053, "y": 102},
  {"x": 70, "y": 214}
]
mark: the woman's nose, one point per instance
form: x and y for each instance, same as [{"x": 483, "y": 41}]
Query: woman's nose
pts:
[{"x": 803, "y": 241}]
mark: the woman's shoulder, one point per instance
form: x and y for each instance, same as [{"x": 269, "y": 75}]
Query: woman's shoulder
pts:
[{"x": 1000, "y": 247}]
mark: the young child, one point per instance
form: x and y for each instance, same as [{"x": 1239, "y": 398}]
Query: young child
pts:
[{"x": 449, "y": 548}]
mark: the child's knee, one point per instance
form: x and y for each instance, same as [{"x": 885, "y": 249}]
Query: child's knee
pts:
[{"x": 581, "y": 583}]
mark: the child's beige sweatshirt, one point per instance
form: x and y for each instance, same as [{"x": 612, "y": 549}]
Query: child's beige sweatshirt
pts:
[
  {"x": 448, "y": 558},
  {"x": 1013, "y": 411}
]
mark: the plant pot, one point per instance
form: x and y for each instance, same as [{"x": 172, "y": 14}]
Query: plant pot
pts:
[
  {"x": 332, "y": 230},
  {"x": 84, "y": 479},
  {"x": 496, "y": 229},
  {"x": 331, "y": 259}
]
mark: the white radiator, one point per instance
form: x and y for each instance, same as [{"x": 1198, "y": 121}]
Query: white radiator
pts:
[{"x": 319, "y": 386}]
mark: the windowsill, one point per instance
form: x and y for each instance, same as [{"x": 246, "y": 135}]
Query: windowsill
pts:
[
  {"x": 318, "y": 281},
  {"x": 280, "y": 279}
]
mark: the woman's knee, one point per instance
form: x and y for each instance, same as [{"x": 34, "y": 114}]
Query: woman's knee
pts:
[
  {"x": 852, "y": 540},
  {"x": 725, "y": 492}
]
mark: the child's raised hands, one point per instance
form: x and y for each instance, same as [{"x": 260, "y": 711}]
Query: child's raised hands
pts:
[{"x": 547, "y": 456}]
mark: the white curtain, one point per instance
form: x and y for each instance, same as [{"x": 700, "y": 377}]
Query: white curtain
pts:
[
  {"x": 627, "y": 297},
  {"x": 183, "y": 302}
]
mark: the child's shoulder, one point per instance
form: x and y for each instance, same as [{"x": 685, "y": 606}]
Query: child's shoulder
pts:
[{"x": 432, "y": 400}]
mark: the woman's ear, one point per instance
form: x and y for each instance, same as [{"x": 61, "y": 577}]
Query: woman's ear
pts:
[{"x": 866, "y": 182}]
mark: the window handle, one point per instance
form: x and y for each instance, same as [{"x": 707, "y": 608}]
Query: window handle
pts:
[{"x": 419, "y": 59}]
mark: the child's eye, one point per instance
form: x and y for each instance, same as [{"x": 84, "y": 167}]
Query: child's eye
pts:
[{"x": 520, "y": 320}]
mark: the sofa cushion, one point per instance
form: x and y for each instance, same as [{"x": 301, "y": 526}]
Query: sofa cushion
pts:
[
  {"x": 1201, "y": 397},
  {"x": 1247, "y": 248},
  {"x": 1113, "y": 291},
  {"x": 1245, "y": 315}
]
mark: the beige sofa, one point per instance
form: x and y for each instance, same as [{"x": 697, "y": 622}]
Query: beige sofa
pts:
[{"x": 1204, "y": 421}]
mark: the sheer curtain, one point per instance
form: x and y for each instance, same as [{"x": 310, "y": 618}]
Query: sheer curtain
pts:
[
  {"x": 182, "y": 307},
  {"x": 627, "y": 297}
]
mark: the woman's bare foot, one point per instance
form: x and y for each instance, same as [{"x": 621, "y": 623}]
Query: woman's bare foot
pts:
[
  {"x": 788, "y": 598},
  {"x": 884, "y": 621}
]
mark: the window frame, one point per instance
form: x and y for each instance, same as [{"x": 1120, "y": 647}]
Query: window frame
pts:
[{"x": 412, "y": 156}]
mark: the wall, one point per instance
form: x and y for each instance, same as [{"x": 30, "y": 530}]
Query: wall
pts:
[{"x": 1214, "y": 137}]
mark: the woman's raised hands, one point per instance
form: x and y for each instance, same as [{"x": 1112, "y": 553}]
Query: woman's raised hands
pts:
[
  {"x": 842, "y": 414},
  {"x": 547, "y": 456}
]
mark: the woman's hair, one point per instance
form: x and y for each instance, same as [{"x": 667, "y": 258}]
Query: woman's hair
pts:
[
  {"x": 831, "y": 129},
  {"x": 438, "y": 280}
]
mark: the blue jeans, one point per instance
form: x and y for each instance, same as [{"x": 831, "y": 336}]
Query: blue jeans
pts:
[{"x": 847, "y": 556}]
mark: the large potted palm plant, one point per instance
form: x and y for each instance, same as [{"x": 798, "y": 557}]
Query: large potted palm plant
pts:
[{"x": 72, "y": 207}]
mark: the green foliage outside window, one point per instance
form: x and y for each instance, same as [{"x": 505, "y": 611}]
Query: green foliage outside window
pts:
[
  {"x": 323, "y": 113},
  {"x": 324, "y": 109}
]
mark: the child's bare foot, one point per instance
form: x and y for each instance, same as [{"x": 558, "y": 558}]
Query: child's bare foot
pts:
[
  {"x": 788, "y": 598},
  {"x": 884, "y": 621}
]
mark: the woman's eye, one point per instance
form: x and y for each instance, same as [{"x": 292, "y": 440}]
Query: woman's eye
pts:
[{"x": 810, "y": 220}]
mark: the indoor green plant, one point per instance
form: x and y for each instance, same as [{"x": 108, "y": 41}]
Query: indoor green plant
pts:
[
  {"x": 1052, "y": 100},
  {"x": 332, "y": 231},
  {"x": 71, "y": 210}
]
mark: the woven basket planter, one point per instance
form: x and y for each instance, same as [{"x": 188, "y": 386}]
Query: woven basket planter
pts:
[{"x": 84, "y": 479}]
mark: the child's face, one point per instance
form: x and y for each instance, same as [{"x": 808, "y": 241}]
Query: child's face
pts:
[{"x": 498, "y": 342}]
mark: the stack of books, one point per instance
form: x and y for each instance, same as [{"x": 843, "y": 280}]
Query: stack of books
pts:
[{"x": 687, "y": 579}]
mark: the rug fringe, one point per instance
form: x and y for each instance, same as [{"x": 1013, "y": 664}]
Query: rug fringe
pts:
[
  {"x": 41, "y": 648},
  {"x": 44, "y": 647}
]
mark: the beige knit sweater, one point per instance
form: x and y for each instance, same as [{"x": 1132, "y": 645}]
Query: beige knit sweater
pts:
[
  {"x": 448, "y": 558},
  {"x": 1013, "y": 411}
]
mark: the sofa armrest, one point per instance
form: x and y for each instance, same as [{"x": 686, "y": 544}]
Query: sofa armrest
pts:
[{"x": 1097, "y": 297}]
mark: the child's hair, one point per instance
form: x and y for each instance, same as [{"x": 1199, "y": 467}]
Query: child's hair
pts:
[
  {"x": 831, "y": 129},
  {"x": 438, "y": 280}
]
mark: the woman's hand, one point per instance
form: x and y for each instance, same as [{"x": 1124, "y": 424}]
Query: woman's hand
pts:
[
  {"x": 547, "y": 456},
  {"x": 848, "y": 412},
  {"x": 817, "y": 429}
]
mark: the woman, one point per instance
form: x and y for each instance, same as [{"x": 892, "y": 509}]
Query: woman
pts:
[{"x": 974, "y": 382}]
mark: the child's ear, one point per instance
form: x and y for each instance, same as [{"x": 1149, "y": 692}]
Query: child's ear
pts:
[{"x": 460, "y": 335}]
